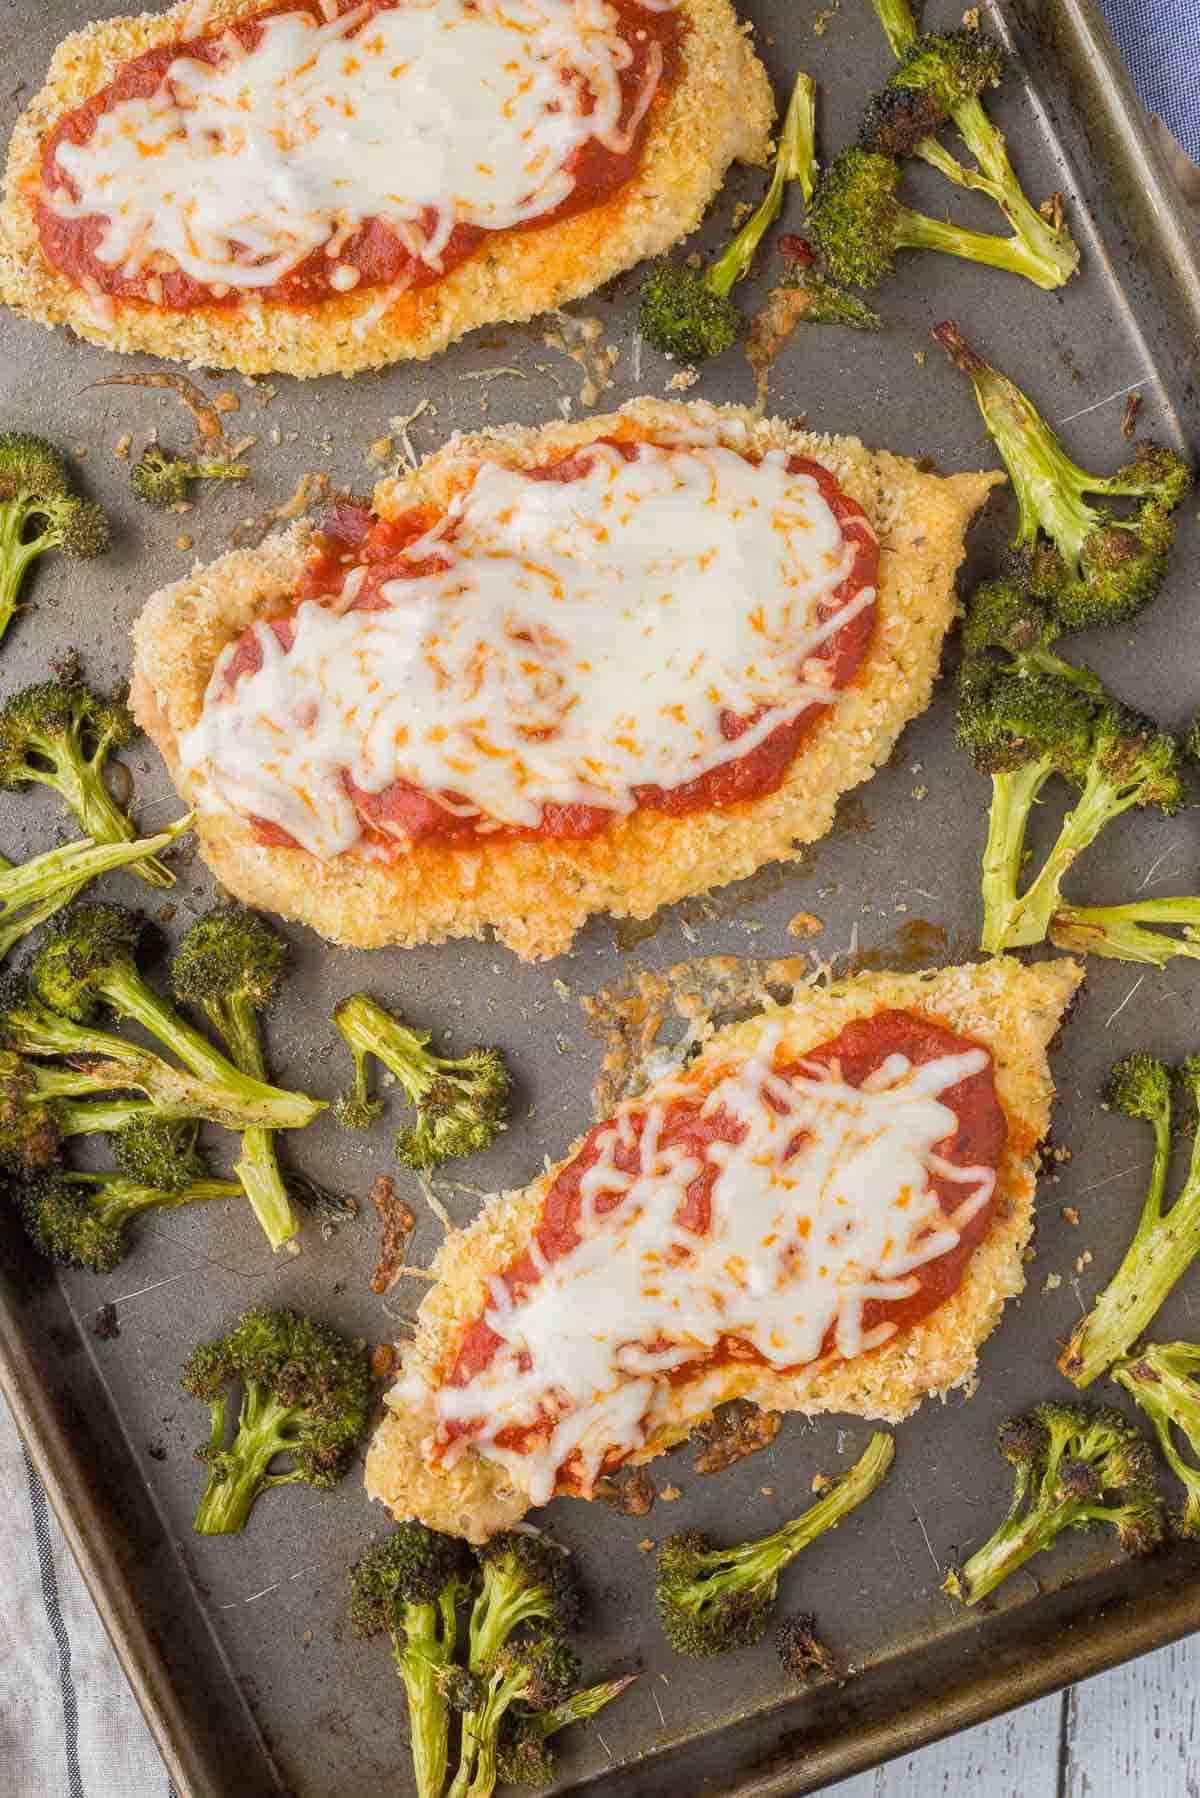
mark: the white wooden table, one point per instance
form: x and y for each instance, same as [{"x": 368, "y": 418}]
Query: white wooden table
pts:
[{"x": 1128, "y": 1734}]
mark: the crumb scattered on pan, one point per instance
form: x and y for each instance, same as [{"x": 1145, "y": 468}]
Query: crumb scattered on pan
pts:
[
  {"x": 646, "y": 1544},
  {"x": 310, "y": 490},
  {"x": 1083, "y": 1261},
  {"x": 396, "y": 1223},
  {"x": 821, "y": 1482},
  {"x": 579, "y": 338},
  {"x": 1070, "y": 1215},
  {"x": 184, "y": 542},
  {"x": 123, "y": 445},
  {"x": 383, "y": 1361},
  {"x": 205, "y": 416},
  {"x": 825, "y": 18},
  {"x": 628, "y": 1491},
  {"x": 669, "y": 1494},
  {"x": 1133, "y": 405},
  {"x": 1052, "y": 1283},
  {"x": 805, "y": 923},
  {"x": 682, "y": 379},
  {"x": 106, "y": 1325}
]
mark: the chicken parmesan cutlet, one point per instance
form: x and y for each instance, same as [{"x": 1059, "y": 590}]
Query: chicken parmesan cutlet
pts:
[
  {"x": 824, "y": 1211},
  {"x": 588, "y": 668},
  {"x": 322, "y": 186}
]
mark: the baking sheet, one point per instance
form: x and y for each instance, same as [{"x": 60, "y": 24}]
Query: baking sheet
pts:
[{"x": 237, "y": 1645}]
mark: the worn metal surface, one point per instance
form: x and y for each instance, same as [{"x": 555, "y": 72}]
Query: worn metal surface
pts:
[{"x": 223, "y": 1635}]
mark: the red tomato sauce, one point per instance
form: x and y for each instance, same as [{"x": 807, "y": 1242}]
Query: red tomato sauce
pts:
[
  {"x": 402, "y": 814},
  {"x": 863, "y": 1046},
  {"x": 375, "y": 250}
]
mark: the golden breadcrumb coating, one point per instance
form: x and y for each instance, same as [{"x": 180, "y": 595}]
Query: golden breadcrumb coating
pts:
[
  {"x": 717, "y": 111},
  {"x": 536, "y": 893},
  {"x": 1013, "y": 1009}
]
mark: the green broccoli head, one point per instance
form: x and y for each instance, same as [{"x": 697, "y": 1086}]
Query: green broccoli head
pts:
[
  {"x": 527, "y": 1578},
  {"x": 68, "y": 1226},
  {"x": 29, "y": 1136},
  {"x": 680, "y": 315},
  {"x": 307, "y": 1395},
  {"x": 940, "y": 71},
  {"x": 1140, "y": 1086},
  {"x": 1009, "y": 717},
  {"x": 39, "y": 510},
  {"x": 1076, "y": 1466},
  {"x": 1007, "y": 614},
  {"x": 461, "y": 1103},
  {"x": 853, "y": 217},
  {"x": 159, "y": 1151},
  {"x": 538, "y": 1671},
  {"x": 229, "y": 953},
  {"x": 523, "y": 1755},
  {"x": 410, "y": 1566},
  {"x": 83, "y": 947},
  {"x": 55, "y": 723}
]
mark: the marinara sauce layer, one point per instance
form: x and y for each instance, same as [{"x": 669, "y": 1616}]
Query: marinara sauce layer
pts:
[
  {"x": 371, "y": 559},
  {"x": 914, "y": 1077},
  {"x": 358, "y": 250}
]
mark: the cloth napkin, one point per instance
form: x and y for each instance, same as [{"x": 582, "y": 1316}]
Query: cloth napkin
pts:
[
  {"x": 1160, "y": 40},
  {"x": 69, "y": 1727}
]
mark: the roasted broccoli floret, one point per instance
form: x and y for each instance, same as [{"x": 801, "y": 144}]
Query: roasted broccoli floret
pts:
[
  {"x": 1165, "y": 1380},
  {"x": 524, "y": 1756},
  {"x": 39, "y": 510},
  {"x": 526, "y": 1582},
  {"x": 80, "y": 1219},
  {"x": 161, "y": 478},
  {"x": 1075, "y": 1465},
  {"x": 1166, "y": 1241},
  {"x": 1024, "y": 718},
  {"x": 306, "y": 1394},
  {"x": 939, "y": 72},
  {"x": 1129, "y": 932},
  {"x": 61, "y": 734},
  {"x": 963, "y": 74},
  {"x": 859, "y": 226},
  {"x": 32, "y": 891},
  {"x": 534, "y": 1672},
  {"x": 461, "y": 1104},
  {"x": 1086, "y": 564},
  {"x": 713, "y": 1599},
  {"x": 801, "y": 1651},
  {"x": 231, "y": 963},
  {"x": 408, "y": 1587},
  {"x": 688, "y": 313},
  {"x": 87, "y": 963}
]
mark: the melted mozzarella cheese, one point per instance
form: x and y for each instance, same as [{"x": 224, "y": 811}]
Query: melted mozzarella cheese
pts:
[
  {"x": 467, "y": 113},
  {"x": 824, "y": 1203},
  {"x": 584, "y": 638}
]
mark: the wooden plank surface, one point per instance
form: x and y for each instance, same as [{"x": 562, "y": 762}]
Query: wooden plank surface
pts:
[{"x": 1132, "y": 1733}]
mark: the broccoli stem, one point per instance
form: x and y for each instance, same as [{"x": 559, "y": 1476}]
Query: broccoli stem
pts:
[
  {"x": 769, "y": 1555},
  {"x": 369, "y": 1030},
  {"x": 1048, "y": 247},
  {"x": 128, "y": 993},
  {"x": 15, "y": 557},
  {"x": 242, "y": 1471},
  {"x": 1121, "y": 932},
  {"x": 79, "y": 781},
  {"x": 795, "y": 160},
  {"x": 121, "y": 1199},
  {"x": 916, "y": 231},
  {"x": 32, "y": 891},
  {"x": 1162, "y": 1250},
  {"x": 426, "y": 1648},
  {"x": 579, "y": 1706},
  {"x": 1162, "y": 1379},
  {"x": 1098, "y": 804},
  {"x": 258, "y": 1165},
  {"x": 1014, "y": 793}
]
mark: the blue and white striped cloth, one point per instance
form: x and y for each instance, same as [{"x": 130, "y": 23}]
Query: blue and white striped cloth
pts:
[{"x": 69, "y": 1727}]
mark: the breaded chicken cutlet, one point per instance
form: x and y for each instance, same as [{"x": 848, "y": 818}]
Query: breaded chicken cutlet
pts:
[
  {"x": 587, "y": 668},
  {"x": 826, "y": 1210},
  {"x": 319, "y": 189}
]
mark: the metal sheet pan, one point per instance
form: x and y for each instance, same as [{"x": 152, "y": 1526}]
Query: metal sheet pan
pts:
[{"x": 235, "y": 1648}]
